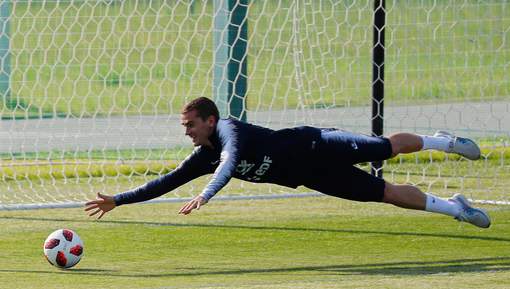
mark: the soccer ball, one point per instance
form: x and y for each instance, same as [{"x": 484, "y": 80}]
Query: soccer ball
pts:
[{"x": 63, "y": 248}]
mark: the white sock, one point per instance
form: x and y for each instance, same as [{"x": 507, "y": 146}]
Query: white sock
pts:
[
  {"x": 435, "y": 143},
  {"x": 442, "y": 206}
]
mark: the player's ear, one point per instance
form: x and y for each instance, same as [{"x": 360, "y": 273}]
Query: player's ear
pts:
[{"x": 211, "y": 120}]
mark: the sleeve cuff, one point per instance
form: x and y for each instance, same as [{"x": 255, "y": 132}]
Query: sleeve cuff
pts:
[
  {"x": 205, "y": 196},
  {"x": 118, "y": 200}
]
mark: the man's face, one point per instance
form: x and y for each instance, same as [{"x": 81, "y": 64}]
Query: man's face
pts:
[{"x": 197, "y": 129}]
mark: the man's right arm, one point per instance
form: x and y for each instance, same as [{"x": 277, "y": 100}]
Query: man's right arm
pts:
[{"x": 191, "y": 168}]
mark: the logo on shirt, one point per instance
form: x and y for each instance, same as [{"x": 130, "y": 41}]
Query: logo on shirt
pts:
[{"x": 244, "y": 167}]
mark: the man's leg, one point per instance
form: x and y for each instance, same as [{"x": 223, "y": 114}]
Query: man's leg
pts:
[
  {"x": 353, "y": 183},
  {"x": 404, "y": 143},
  {"x": 442, "y": 141},
  {"x": 411, "y": 197}
]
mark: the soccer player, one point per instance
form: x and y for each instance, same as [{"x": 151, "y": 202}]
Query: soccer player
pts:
[{"x": 320, "y": 159}]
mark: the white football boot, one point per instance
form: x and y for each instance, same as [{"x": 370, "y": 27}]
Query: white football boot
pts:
[
  {"x": 459, "y": 145},
  {"x": 469, "y": 214}
]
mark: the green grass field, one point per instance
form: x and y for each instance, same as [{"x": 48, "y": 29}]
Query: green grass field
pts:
[
  {"x": 285, "y": 243},
  {"x": 292, "y": 243}
]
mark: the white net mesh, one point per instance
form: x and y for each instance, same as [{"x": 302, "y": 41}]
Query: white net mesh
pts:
[
  {"x": 95, "y": 87},
  {"x": 447, "y": 69}
]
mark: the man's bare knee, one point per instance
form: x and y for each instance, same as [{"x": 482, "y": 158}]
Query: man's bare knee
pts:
[
  {"x": 405, "y": 196},
  {"x": 389, "y": 193},
  {"x": 405, "y": 143},
  {"x": 395, "y": 145}
]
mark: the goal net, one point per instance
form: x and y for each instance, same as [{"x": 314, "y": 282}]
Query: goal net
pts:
[{"x": 91, "y": 90}]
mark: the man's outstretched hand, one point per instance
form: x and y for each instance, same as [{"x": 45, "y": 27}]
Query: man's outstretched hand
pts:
[
  {"x": 102, "y": 204},
  {"x": 196, "y": 203}
]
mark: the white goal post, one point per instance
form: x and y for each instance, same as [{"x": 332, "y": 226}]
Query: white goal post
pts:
[{"x": 90, "y": 91}]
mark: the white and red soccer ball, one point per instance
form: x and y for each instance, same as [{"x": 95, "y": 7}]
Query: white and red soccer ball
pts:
[{"x": 63, "y": 248}]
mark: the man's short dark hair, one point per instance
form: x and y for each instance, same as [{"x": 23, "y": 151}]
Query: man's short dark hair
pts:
[{"x": 204, "y": 107}]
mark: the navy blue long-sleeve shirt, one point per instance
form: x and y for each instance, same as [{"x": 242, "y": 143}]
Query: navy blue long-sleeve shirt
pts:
[{"x": 240, "y": 150}]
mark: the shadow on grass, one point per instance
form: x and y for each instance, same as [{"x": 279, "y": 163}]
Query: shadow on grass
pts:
[
  {"x": 269, "y": 228},
  {"x": 63, "y": 271},
  {"x": 478, "y": 265}
]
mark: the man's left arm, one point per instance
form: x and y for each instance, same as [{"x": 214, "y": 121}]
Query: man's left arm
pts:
[{"x": 229, "y": 158}]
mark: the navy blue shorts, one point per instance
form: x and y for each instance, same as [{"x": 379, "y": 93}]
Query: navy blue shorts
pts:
[{"x": 334, "y": 172}]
